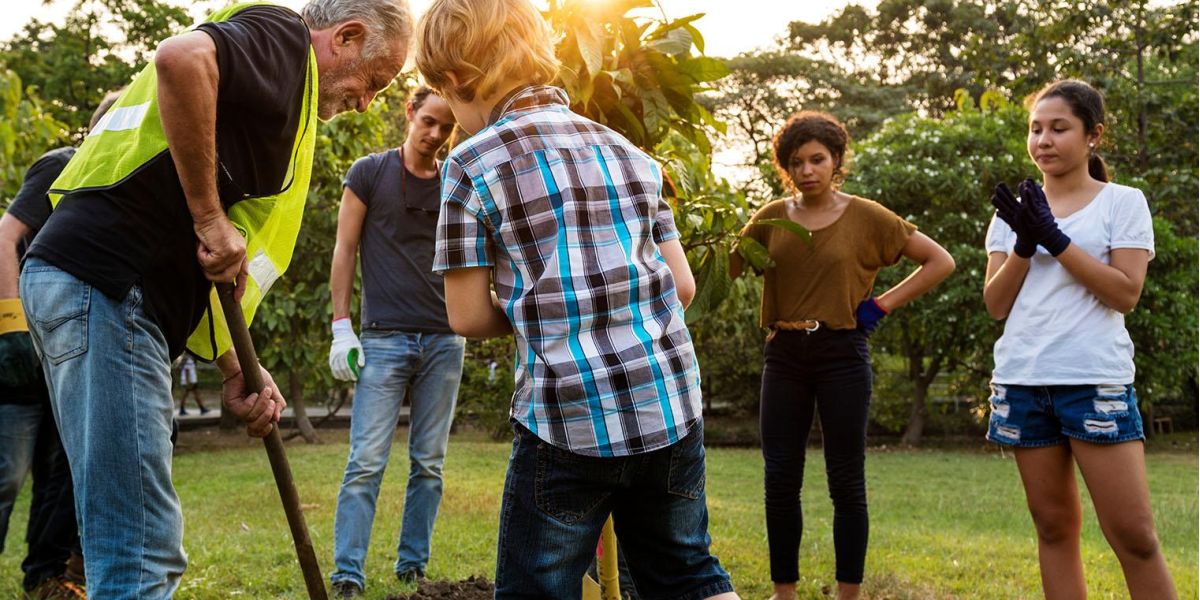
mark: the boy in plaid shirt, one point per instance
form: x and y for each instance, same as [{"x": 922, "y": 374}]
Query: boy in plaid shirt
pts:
[{"x": 566, "y": 219}]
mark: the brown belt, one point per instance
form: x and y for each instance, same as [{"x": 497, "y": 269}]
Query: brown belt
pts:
[{"x": 808, "y": 325}]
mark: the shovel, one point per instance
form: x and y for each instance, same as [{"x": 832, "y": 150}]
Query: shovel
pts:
[
  {"x": 609, "y": 586},
  {"x": 248, "y": 361}
]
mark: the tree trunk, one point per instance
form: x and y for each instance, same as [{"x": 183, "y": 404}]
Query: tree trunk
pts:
[
  {"x": 917, "y": 416},
  {"x": 921, "y": 377},
  {"x": 1142, "y": 156},
  {"x": 296, "y": 399}
]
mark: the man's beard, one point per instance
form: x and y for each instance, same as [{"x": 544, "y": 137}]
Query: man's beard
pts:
[{"x": 331, "y": 97}]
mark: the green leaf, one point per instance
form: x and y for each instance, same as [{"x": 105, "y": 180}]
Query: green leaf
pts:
[
  {"x": 636, "y": 127},
  {"x": 697, "y": 38},
  {"x": 655, "y": 110},
  {"x": 624, "y": 77},
  {"x": 789, "y": 225},
  {"x": 963, "y": 100},
  {"x": 588, "y": 40},
  {"x": 712, "y": 285},
  {"x": 703, "y": 69},
  {"x": 712, "y": 121},
  {"x": 992, "y": 100},
  {"x": 676, "y": 42},
  {"x": 756, "y": 254}
]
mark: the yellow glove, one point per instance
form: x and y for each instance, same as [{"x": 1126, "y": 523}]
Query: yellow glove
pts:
[
  {"x": 18, "y": 361},
  {"x": 12, "y": 316}
]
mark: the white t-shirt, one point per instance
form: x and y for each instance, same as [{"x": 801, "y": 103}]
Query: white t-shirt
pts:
[{"x": 1059, "y": 333}]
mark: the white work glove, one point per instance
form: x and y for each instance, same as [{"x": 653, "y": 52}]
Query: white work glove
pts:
[{"x": 346, "y": 353}]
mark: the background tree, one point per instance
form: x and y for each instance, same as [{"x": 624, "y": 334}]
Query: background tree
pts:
[
  {"x": 1142, "y": 55},
  {"x": 938, "y": 173},
  {"x": 98, "y": 48},
  {"x": 27, "y": 130},
  {"x": 905, "y": 59}
]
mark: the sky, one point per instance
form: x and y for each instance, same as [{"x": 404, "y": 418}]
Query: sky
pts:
[{"x": 729, "y": 26}]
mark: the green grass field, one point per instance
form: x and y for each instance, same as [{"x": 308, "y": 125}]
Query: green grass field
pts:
[{"x": 944, "y": 523}]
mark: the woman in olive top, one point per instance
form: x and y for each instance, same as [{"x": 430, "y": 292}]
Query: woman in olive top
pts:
[{"x": 818, "y": 304}]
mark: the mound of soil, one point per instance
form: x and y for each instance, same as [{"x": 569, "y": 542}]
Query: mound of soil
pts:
[{"x": 472, "y": 588}]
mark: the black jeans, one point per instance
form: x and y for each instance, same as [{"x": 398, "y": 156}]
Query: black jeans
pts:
[{"x": 827, "y": 372}]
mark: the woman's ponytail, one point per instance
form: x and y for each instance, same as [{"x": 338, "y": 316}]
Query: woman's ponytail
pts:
[{"x": 1097, "y": 168}]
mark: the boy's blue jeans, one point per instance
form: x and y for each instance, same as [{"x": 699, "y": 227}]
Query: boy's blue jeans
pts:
[
  {"x": 432, "y": 364},
  {"x": 109, "y": 376},
  {"x": 556, "y": 502}
]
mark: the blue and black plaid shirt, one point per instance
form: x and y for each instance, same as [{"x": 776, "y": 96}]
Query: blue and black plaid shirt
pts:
[{"x": 569, "y": 215}]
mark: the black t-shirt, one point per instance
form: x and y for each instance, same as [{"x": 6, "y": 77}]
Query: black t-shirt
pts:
[
  {"x": 32, "y": 207},
  {"x": 400, "y": 290},
  {"x": 140, "y": 232}
]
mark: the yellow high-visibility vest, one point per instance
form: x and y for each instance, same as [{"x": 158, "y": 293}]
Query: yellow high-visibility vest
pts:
[{"x": 130, "y": 136}]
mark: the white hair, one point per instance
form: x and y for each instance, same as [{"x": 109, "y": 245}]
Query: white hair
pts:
[{"x": 387, "y": 21}]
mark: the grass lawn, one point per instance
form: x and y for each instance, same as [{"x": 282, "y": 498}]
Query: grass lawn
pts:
[{"x": 944, "y": 523}]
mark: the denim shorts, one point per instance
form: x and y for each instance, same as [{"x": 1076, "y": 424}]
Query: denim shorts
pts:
[
  {"x": 1036, "y": 416},
  {"x": 555, "y": 503}
]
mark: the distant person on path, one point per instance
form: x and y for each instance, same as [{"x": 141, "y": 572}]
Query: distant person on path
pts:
[
  {"x": 29, "y": 439},
  {"x": 566, "y": 219},
  {"x": 819, "y": 304},
  {"x": 390, "y": 208},
  {"x": 1066, "y": 261},
  {"x": 198, "y": 174},
  {"x": 188, "y": 383}
]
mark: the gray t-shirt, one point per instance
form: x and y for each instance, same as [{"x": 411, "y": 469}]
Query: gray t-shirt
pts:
[{"x": 399, "y": 288}]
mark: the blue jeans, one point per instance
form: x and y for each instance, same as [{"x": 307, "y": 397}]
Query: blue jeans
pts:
[
  {"x": 1036, "y": 416},
  {"x": 29, "y": 442},
  {"x": 431, "y": 363},
  {"x": 18, "y": 435},
  {"x": 556, "y": 502},
  {"x": 109, "y": 376}
]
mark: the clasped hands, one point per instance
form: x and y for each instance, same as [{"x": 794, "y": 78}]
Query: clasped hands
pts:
[{"x": 1031, "y": 218}]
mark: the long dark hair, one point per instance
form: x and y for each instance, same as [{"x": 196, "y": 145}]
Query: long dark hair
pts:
[{"x": 1087, "y": 103}]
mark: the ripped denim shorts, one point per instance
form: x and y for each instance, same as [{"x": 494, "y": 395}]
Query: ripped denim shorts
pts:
[{"x": 1044, "y": 415}]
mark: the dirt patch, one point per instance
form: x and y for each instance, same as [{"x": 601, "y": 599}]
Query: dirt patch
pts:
[{"x": 472, "y": 588}]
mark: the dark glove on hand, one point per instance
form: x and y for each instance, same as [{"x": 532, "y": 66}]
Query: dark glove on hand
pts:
[
  {"x": 1008, "y": 208},
  {"x": 868, "y": 314},
  {"x": 1038, "y": 220}
]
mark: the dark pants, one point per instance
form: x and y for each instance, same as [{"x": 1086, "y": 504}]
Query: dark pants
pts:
[
  {"x": 31, "y": 443},
  {"x": 556, "y": 502},
  {"x": 827, "y": 372}
]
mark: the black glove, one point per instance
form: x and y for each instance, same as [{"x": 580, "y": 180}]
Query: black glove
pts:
[
  {"x": 1009, "y": 209},
  {"x": 1038, "y": 220}
]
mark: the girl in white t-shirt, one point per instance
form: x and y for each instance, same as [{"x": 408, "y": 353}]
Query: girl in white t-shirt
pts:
[{"x": 1065, "y": 263}]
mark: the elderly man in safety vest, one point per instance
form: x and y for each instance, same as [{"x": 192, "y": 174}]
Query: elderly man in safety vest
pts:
[{"x": 198, "y": 174}]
